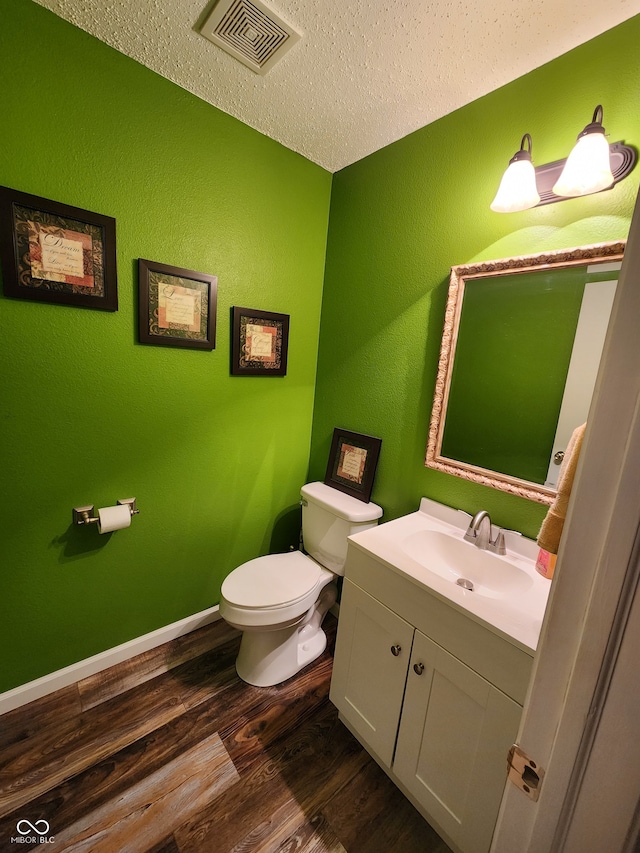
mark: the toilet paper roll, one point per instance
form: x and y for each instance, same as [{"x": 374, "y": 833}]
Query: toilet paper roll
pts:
[{"x": 113, "y": 518}]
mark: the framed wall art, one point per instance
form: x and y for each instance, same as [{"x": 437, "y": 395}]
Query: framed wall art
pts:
[
  {"x": 177, "y": 306},
  {"x": 259, "y": 342},
  {"x": 353, "y": 459},
  {"x": 52, "y": 252}
]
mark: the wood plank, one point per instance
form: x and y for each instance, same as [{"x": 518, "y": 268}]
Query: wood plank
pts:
[
  {"x": 333, "y": 756},
  {"x": 360, "y": 812},
  {"x": 204, "y": 677},
  {"x": 260, "y": 793},
  {"x": 277, "y": 836},
  {"x": 265, "y": 715},
  {"x": 354, "y": 812},
  {"x": 146, "y": 666},
  {"x": 147, "y": 812},
  {"x": 306, "y": 769},
  {"x": 63, "y": 750},
  {"x": 270, "y": 834},
  {"x": 107, "y": 779},
  {"x": 167, "y": 845},
  {"x": 22, "y": 723},
  {"x": 314, "y": 836},
  {"x": 402, "y": 828}
]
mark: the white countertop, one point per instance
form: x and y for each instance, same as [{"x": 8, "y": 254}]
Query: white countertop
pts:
[{"x": 515, "y": 614}]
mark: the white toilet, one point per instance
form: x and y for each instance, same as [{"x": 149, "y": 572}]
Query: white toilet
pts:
[{"x": 279, "y": 601}]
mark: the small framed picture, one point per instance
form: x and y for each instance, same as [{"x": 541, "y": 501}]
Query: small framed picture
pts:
[
  {"x": 52, "y": 252},
  {"x": 259, "y": 342},
  {"x": 353, "y": 459},
  {"x": 177, "y": 306}
]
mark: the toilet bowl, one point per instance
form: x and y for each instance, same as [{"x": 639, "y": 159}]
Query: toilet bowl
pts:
[{"x": 280, "y": 600}]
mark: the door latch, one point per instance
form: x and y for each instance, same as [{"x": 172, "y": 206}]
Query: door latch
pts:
[{"x": 524, "y": 773}]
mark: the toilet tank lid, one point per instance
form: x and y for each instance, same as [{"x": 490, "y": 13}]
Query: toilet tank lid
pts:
[{"x": 342, "y": 505}]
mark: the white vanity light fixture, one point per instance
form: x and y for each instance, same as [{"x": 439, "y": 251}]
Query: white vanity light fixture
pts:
[
  {"x": 593, "y": 165},
  {"x": 588, "y": 167},
  {"x": 518, "y": 190}
]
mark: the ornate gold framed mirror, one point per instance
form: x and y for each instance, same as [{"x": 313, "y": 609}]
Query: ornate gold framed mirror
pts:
[{"x": 520, "y": 351}]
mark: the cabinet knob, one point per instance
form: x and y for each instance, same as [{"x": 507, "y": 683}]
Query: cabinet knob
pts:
[
  {"x": 395, "y": 650},
  {"x": 418, "y": 668}
]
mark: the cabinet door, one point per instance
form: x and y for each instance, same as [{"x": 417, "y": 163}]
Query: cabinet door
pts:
[
  {"x": 455, "y": 733},
  {"x": 372, "y": 654}
]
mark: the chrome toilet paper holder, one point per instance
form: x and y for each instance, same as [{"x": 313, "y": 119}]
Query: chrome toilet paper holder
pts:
[{"x": 85, "y": 514}]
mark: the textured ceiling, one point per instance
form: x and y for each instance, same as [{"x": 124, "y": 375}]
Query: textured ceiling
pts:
[{"x": 364, "y": 73}]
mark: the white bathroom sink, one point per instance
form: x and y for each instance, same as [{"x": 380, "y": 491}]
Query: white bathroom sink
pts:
[
  {"x": 458, "y": 561},
  {"x": 505, "y": 593}
]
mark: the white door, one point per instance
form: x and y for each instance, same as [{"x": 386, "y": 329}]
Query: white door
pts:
[
  {"x": 593, "y": 322},
  {"x": 586, "y": 621}
]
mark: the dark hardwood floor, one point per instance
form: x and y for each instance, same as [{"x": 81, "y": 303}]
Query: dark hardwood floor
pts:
[{"x": 171, "y": 753}]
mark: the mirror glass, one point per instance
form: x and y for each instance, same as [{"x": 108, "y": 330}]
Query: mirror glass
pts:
[{"x": 520, "y": 351}]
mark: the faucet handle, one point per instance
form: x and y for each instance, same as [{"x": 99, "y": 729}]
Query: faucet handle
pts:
[{"x": 498, "y": 545}]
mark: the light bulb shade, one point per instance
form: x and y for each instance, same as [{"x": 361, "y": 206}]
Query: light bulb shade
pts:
[
  {"x": 517, "y": 190},
  {"x": 588, "y": 167}
]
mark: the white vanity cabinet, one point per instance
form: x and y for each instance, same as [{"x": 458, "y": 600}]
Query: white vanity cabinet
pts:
[
  {"x": 435, "y": 697},
  {"x": 370, "y": 669},
  {"x": 454, "y": 736}
]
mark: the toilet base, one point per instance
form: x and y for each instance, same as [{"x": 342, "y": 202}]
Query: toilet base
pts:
[{"x": 268, "y": 657}]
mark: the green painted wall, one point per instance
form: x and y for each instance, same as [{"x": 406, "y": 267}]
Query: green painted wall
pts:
[
  {"x": 89, "y": 415},
  {"x": 403, "y": 216}
]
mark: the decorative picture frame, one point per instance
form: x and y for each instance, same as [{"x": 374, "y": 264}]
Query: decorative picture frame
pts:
[
  {"x": 352, "y": 464},
  {"x": 52, "y": 252},
  {"x": 259, "y": 342},
  {"x": 177, "y": 306}
]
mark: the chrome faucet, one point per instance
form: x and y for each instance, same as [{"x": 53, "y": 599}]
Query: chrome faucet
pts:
[
  {"x": 479, "y": 530},
  {"x": 479, "y": 533}
]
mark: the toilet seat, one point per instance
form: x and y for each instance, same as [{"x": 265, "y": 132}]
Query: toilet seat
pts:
[
  {"x": 272, "y": 581},
  {"x": 272, "y": 590}
]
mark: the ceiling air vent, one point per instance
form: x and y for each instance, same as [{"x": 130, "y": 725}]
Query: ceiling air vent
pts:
[{"x": 251, "y": 32}]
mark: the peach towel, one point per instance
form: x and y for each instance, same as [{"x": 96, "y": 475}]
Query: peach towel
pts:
[{"x": 551, "y": 529}]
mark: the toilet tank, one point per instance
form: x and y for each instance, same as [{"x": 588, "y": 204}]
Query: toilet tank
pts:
[{"x": 328, "y": 518}]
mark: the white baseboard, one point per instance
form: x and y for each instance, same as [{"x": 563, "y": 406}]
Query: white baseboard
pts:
[{"x": 26, "y": 693}]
